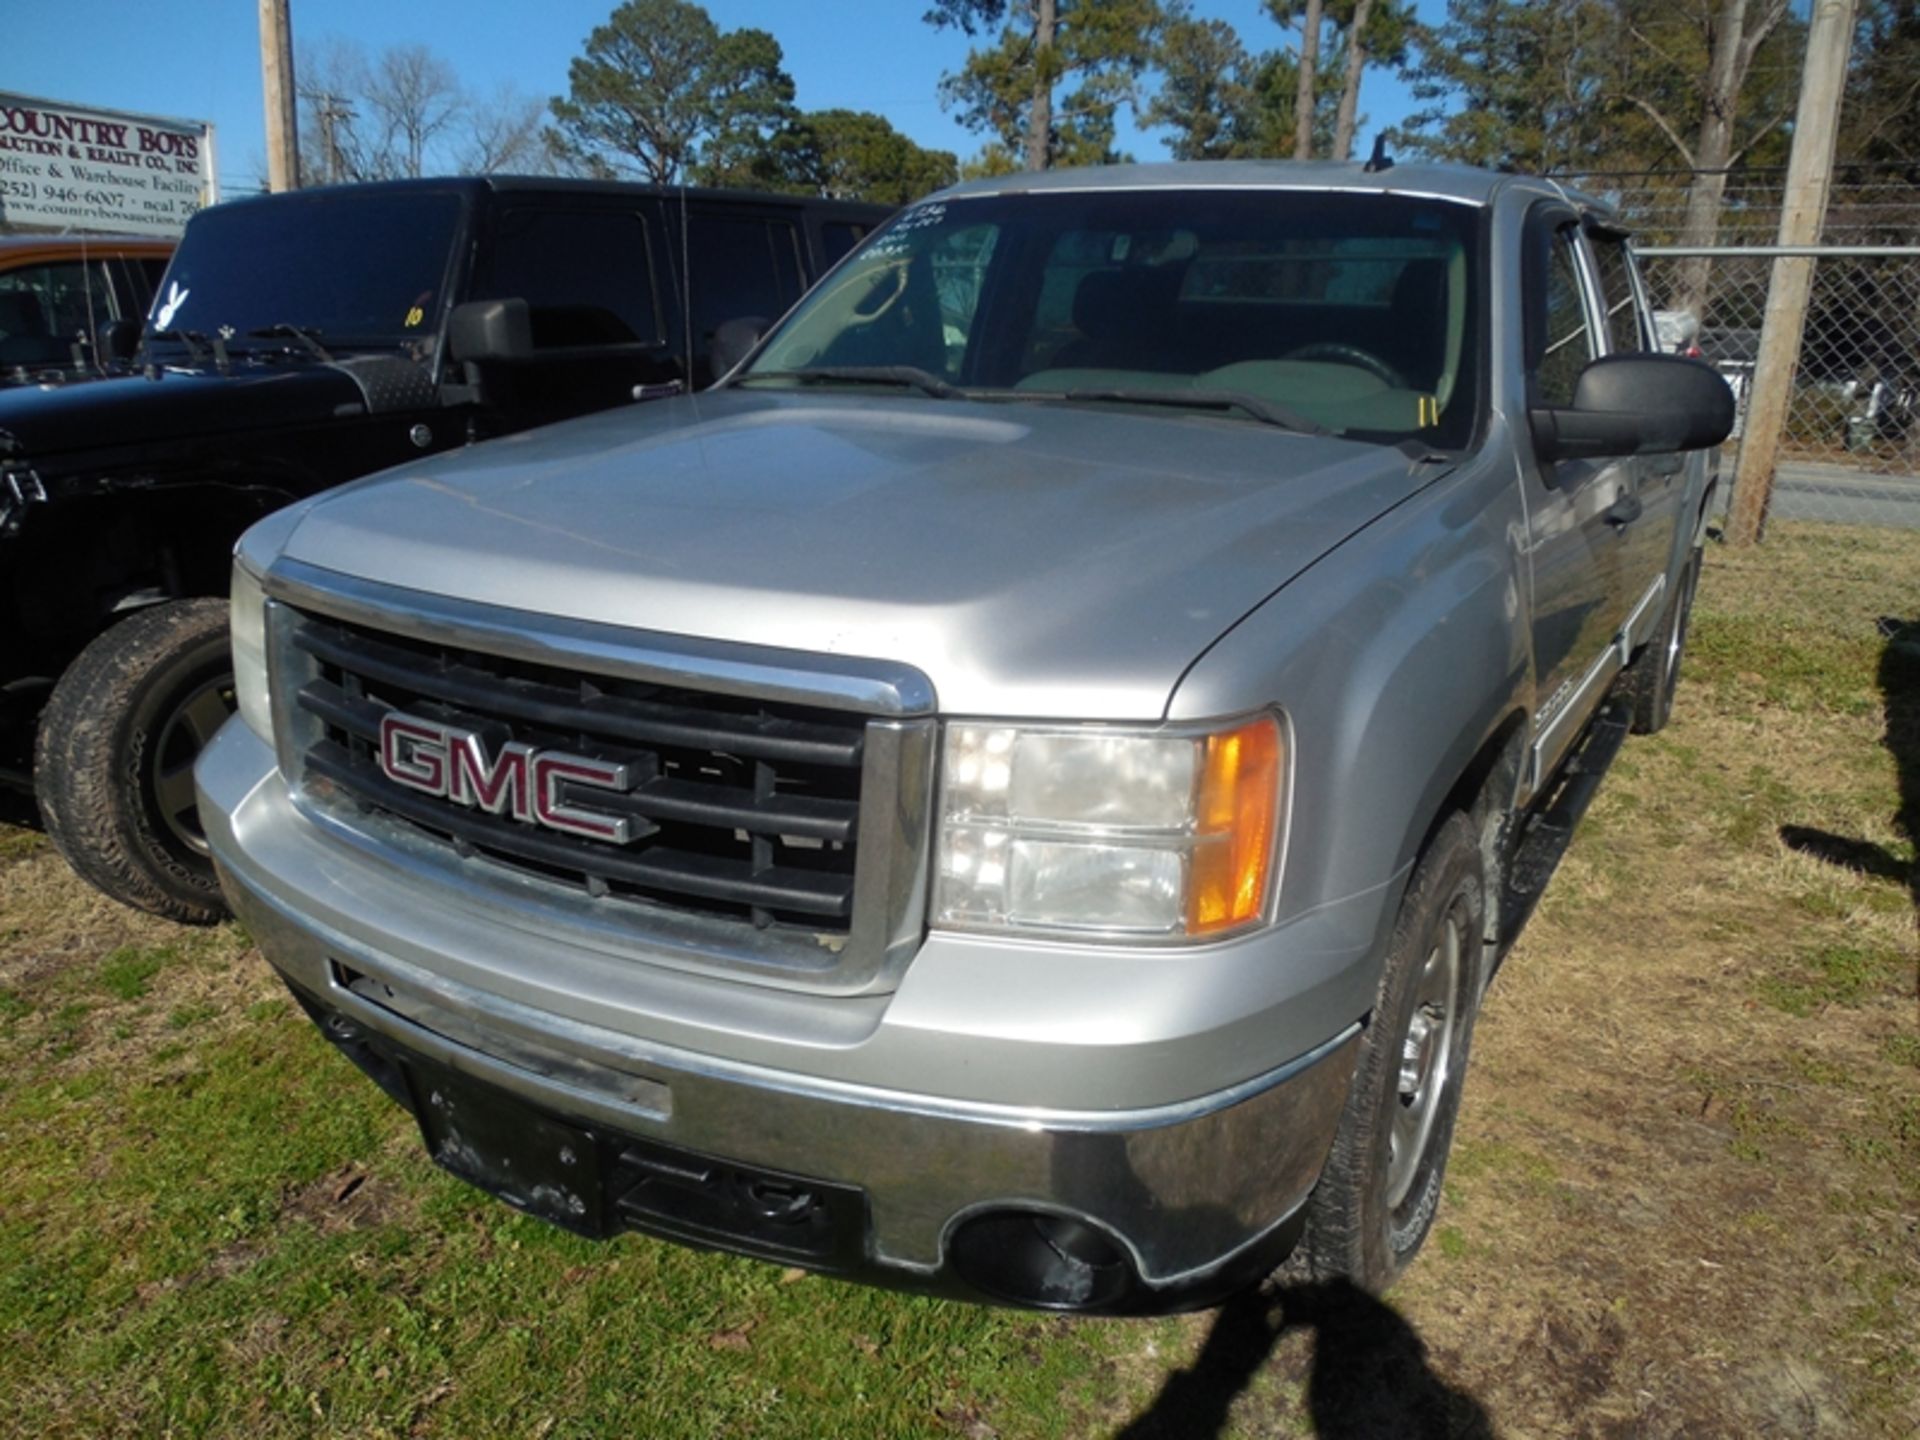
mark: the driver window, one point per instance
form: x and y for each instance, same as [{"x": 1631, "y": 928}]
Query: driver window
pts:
[
  {"x": 583, "y": 273},
  {"x": 1616, "y": 292},
  {"x": 1567, "y": 342}
]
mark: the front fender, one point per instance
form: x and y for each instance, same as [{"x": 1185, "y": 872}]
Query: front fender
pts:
[{"x": 1397, "y": 657}]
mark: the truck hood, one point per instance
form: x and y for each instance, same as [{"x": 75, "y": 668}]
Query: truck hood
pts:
[
  {"x": 48, "y": 421},
  {"x": 1030, "y": 559}
]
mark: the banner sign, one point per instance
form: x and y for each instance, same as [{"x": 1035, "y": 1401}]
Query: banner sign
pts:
[{"x": 70, "y": 167}]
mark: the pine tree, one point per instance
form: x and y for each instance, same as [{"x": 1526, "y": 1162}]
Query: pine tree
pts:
[
  {"x": 662, "y": 91},
  {"x": 1008, "y": 89}
]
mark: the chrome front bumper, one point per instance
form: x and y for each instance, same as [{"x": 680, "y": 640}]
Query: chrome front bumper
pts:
[{"x": 1201, "y": 1195}]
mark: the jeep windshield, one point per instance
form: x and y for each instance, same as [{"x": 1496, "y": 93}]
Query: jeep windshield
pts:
[
  {"x": 1351, "y": 312},
  {"x": 340, "y": 268}
]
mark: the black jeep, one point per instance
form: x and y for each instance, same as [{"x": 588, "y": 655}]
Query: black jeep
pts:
[{"x": 298, "y": 341}]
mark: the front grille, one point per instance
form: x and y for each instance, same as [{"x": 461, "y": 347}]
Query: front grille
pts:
[{"x": 745, "y": 809}]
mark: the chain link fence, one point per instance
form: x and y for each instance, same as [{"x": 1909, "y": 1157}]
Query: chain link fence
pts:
[{"x": 1850, "y": 452}]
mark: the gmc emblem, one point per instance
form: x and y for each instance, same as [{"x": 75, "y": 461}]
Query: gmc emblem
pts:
[{"x": 453, "y": 764}]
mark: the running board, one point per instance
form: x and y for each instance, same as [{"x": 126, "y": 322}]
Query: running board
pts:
[{"x": 1548, "y": 830}]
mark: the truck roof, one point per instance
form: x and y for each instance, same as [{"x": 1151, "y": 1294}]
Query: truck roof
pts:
[
  {"x": 1467, "y": 184},
  {"x": 24, "y": 248},
  {"x": 524, "y": 184}
]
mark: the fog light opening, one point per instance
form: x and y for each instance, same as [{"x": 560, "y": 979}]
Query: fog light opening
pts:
[{"x": 1051, "y": 1262}]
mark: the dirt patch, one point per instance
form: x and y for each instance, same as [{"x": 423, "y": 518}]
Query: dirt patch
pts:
[{"x": 350, "y": 1198}]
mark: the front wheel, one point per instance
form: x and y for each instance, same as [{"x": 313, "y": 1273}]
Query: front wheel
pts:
[
  {"x": 1380, "y": 1189},
  {"x": 113, "y": 761}
]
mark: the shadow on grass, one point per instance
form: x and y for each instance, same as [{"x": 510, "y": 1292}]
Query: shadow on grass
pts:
[
  {"x": 1899, "y": 680},
  {"x": 1369, "y": 1381}
]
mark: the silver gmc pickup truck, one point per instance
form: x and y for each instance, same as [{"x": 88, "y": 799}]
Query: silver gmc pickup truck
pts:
[{"x": 1018, "y": 791}]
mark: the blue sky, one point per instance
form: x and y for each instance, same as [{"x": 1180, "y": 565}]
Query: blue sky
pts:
[{"x": 199, "y": 59}]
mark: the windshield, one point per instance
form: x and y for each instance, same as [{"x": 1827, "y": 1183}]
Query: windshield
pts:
[
  {"x": 1352, "y": 312},
  {"x": 351, "y": 269}
]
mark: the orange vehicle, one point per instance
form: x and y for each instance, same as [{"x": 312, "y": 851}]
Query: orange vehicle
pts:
[{"x": 59, "y": 292}]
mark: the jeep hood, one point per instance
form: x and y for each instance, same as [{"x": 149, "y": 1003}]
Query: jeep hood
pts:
[
  {"x": 128, "y": 412},
  {"x": 1030, "y": 559}
]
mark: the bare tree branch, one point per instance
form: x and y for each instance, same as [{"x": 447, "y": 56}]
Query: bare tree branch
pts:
[
  {"x": 1686, "y": 151},
  {"x": 505, "y": 132},
  {"x": 1757, "y": 36},
  {"x": 1757, "y": 136}
]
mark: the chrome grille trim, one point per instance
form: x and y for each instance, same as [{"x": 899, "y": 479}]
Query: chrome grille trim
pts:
[
  {"x": 724, "y": 667},
  {"x": 895, "y": 756}
]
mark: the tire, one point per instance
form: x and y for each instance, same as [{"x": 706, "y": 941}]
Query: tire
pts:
[
  {"x": 113, "y": 760},
  {"x": 1380, "y": 1190},
  {"x": 1654, "y": 676}
]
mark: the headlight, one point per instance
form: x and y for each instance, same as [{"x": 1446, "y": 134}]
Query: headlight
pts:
[
  {"x": 1096, "y": 831},
  {"x": 249, "y": 628}
]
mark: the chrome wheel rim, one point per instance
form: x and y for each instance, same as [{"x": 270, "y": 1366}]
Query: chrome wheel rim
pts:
[
  {"x": 1425, "y": 1060},
  {"x": 183, "y": 735}
]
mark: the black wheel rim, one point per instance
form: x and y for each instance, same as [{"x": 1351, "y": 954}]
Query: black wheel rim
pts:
[{"x": 183, "y": 734}]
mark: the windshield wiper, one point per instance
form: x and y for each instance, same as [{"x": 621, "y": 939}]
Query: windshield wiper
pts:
[
  {"x": 308, "y": 337},
  {"x": 911, "y": 377},
  {"x": 1268, "y": 412}
]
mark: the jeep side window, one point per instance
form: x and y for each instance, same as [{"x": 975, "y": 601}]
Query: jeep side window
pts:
[
  {"x": 44, "y": 308},
  {"x": 584, "y": 273},
  {"x": 1565, "y": 345},
  {"x": 740, "y": 266},
  {"x": 1617, "y": 292}
]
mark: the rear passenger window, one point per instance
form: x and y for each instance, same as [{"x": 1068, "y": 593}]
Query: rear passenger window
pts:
[
  {"x": 1616, "y": 293},
  {"x": 1565, "y": 347},
  {"x": 584, "y": 275},
  {"x": 741, "y": 266}
]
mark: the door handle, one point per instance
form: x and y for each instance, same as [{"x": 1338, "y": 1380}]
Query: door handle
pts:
[{"x": 1624, "y": 511}]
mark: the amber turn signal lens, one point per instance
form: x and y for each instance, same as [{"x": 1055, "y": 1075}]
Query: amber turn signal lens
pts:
[{"x": 1239, "y": 806}]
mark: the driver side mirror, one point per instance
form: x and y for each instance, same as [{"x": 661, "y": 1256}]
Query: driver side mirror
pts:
[
  {"x": 733, "y": 341},
  {"x": 490, "y": 330},
  {"x": 1636, "y": 405}
]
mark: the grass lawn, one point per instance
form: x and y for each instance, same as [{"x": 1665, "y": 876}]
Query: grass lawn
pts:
[{"x": 1685, "y": 1196}]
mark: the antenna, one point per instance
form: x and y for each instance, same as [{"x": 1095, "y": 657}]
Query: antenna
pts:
[
  {"x": 1379, "y": 160},
  {"x": 686, "y": 284}
]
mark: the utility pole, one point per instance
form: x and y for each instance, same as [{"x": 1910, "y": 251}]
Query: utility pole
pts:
[
  {"x": 1803, "y": 210},
  {"x": 276, "y": 75},
  {"x": 332, "y": 112}
]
